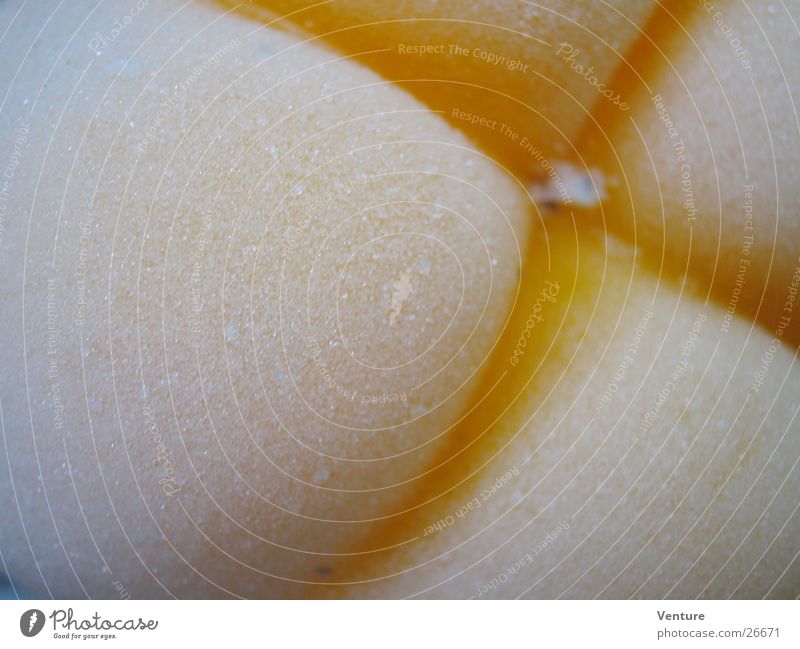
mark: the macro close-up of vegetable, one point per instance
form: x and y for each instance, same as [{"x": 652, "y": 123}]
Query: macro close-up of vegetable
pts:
[{"x": 366, "y": 300}]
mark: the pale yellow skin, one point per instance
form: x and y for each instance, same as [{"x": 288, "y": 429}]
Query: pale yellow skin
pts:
[
  {"x": 239, "y": 273},
  {"x": 222, "y": 316}
]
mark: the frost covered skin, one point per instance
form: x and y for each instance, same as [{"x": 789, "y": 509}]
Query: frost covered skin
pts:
[{"x": 211, "y": 385}]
